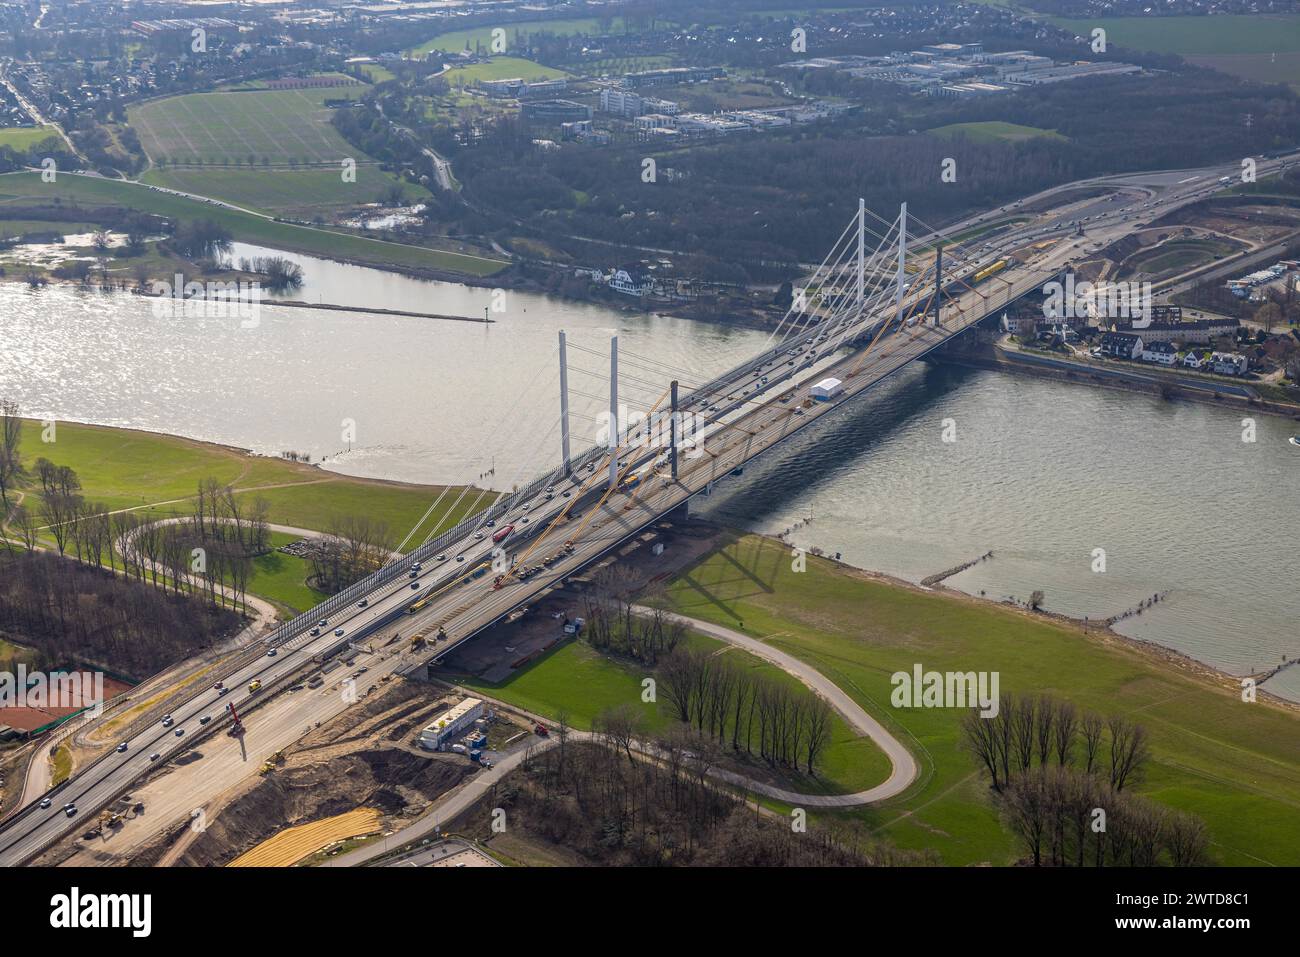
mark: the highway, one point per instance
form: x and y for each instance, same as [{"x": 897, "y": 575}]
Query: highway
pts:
[{"x": 745, "y": 417}]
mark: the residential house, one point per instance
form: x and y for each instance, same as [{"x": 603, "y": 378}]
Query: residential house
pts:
[
  {"x": 1121, "y": 345},
  {"x": 1228, "y": 363},
  {"x": 1162, "y": 353}
]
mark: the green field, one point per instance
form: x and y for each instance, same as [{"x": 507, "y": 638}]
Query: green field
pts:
[
  {"x": 278, "y": 126},
  {"x": 1195, "y": 35},
  {"x": 159, "y": 474},
  {"x": 501, "y": 68},
  {"x": 1231, "y": 763},
  {"x": 21, "y": 138},
  {"x": 582, "y": 682},
  {"x": 472, "y": 39},
  {"x": 300, "y": 193},
  {"x": 282, "y": 578},
  {"x": 26, "y": 187},
  {"x": 993, "y": 130}
]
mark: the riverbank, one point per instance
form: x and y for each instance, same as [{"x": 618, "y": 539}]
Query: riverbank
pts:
[
  {"x": 1141, "y": 381},
  {"x": 1099, "y": 630},
  {"x": 1228, "y": 761}
]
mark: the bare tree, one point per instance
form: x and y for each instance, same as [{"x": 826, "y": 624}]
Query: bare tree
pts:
[{"x": 1128, "y": 751}]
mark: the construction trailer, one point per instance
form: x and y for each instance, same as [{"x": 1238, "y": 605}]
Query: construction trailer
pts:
[{"x": 453, "y": 723}]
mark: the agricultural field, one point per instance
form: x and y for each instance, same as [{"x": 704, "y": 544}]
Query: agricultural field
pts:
[
  {"x": 482, "y": 36},
  {"x": 26, "y": 188},
  {"x": 502, "y": 68},
  {"x": 1231, "y": 763},
  {"x": 297, "y": 193},
  {"x": 22, "y": 138},
  {"x": 1262, "y": 47},
  {"x": 275, "y": 127},
  {"x": 994, "y": 130}
]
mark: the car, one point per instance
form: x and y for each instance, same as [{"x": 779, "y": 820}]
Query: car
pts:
[
  {"x": 45, "y": 802},
  {"x": 205, "y": 719},
  {"x": 550, "y": 488},
  {"x": 460, "y": 558},
  {"x": 155, "y": 756},
  {"x": 566, "y": 493},
  {"x": 167, "y": 721},
  {"x": 121, "y": 748},
  {"x": 179, "y": 732},
  {"x": 338, "y": 632},
  {"x": 416, "y": 566},
  {"x": 271, "y": 653},
  {"x": 527, "y": 506},
  {"x": 323, "y": 623},
  {"x": 315, "y": 632},
  {"x": 412, "y": 574},
  {"x": 478, "y": 536},
  {"x": 524, "y": 520},
  {"x": 70, "y": 811},
  {"x": 549, "y": 496},
  {"x": 798, "y": 411},
  {"x": 221, "y": 691},
  {"x": 362, "y": 670},
  {"x": 415, "y": 586},
  {"x": 363, "y": 603},
  {"x": 491, "y": 523},
  {"x": 442, "y": 558}
]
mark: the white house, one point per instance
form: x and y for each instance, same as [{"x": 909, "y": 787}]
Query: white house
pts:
[
  {"x": 623, "y": 281},
  {"x": 1162, "y": 353},
  {"x": 1193, "y": 359},
  {"x": 1229, "y": 363}
]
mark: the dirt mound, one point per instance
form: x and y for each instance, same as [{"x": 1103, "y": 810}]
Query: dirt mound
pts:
[{"x": 389, "y": 779}]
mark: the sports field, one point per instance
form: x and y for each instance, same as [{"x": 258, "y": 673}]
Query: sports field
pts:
[
  {"x": 261, "y": 127},
  {"x": 503, "y": 68}
]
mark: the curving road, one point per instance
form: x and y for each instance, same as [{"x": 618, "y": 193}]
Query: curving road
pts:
[{"x": 904, "y": 769}]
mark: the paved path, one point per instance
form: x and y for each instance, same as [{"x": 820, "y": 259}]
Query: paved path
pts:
[{"x": 904, "y": 769}]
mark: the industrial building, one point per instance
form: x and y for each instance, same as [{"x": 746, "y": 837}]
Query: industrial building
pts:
[
  {"x": 454, "y": 723},
  {"x": 827, "y": 389}
]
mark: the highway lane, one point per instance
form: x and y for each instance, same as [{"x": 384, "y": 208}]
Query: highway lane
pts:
[{"x": 747, "y": 424}]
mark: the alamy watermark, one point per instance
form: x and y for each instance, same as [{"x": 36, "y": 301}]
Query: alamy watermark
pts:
[
  {"x": 57, "y": 690},
  {"x": 1073, "y": 299},
  {"x": 919, "y": 688},
  {"x": 208, "y": 300}
]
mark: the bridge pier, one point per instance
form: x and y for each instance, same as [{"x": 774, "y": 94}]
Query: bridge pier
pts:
[{"x": 564, "y": 404}]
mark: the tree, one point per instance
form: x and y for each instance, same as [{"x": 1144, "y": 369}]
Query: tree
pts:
[
  {"x": 11, "y": 462},
  {"x": 1128, "y": 751}
]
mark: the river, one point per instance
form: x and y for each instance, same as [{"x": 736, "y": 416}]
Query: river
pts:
[{"x": 1042, "y": 473}]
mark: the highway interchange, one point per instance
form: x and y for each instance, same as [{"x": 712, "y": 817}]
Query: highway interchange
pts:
[{"x": 759, "y": 404}]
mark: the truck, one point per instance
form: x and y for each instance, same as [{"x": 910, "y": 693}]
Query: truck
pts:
[
  {"x": 255, "y": 686},
  {"x": 500, "y": 534}
]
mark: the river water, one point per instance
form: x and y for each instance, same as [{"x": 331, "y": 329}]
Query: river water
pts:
[{"x": 1042, "y": 473}]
